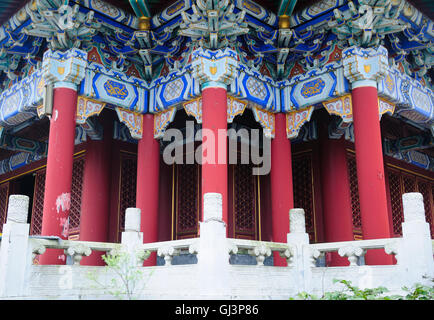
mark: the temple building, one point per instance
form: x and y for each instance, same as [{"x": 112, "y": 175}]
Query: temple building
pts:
[{"x": 338, "y": 93}]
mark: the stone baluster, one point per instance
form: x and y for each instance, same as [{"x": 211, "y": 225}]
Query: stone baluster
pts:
[
  {"x": 167, "y": 252},
  {"x": 352, "y": 253},
  {"x": 288, "y": 254},
  {"x": 77, "y": 252},
  {"x": 232, "y": 248},
  {"x": 315, "y": 254},
  {"x": 193, "y": 248},
  {"x": 260, "y": 251},
  {"x": 38, "y": 250},
  {"x": 392, "y": 248}
]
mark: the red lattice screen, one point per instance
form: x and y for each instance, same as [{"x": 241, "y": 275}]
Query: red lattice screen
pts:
[
  {"x": 74, "y": 213},
  {"x": 354, "y": 193},
  {"x": 408, "y": 183},
  {"x": 127, "y": 196},
  {"x": 424, "y": 187},
  {"x": 76, "y": 188},
  {"x": 187, "y": 200},
  {"x": 302, "y": 173},
  {"x": 38, "y": 203},
  {"x": 245, "y": 202},
  {"x": 4, "y": 196},
  {"x": 395, "y": 200},
  {"x": 401, "y": 182}
]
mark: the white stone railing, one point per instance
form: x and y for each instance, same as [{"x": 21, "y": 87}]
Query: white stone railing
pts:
[
  {"x": 260, "y": 250},
  {"x": 213, "y": 275},
  {"x": 77, "y": 249},
  {"x": 353, "y": 250},
  {"x": 170, "y": 249},
  {"x": 74, "y": 249}
]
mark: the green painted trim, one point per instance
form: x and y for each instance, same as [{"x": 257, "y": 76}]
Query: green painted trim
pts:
[
  {"x": 286, "y": 7},
  {"x": 141, "y": 8}
]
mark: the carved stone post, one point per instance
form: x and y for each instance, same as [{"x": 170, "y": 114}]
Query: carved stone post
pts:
[
  {"x": 15, "y": 256},
  {"x": 298, "y": 239},
  {"x": 132, "y": 238},
  {"x": 213, "y": 256},
  {"x": 416, "y": 253}
]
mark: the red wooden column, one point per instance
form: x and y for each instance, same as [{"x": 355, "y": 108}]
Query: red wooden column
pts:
[
  {"x": 148, "y": 168},
  {"x": 282, "y": 196},
  {"x": 65, "y": 71},
  {"x": 214, "y": 144},
  {"x": 363, "y": 67},
  {"x": 214, "y": 70},
  {"x": 95, "y": 201},
  {"x": 336, "y": 196}
]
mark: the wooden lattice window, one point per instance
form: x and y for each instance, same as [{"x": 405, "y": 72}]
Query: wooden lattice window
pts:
[
  {"x": 408, "y": 183},
  {"x": 127, "y": 192},
  {"x": 424, "y": 187},
  {"x": 38, "y": 203},
  {"x": 245, "y": 202},
  {"x": 354, "y": 193},
  {"x": 395, "y": 192},
  {"x": 401, "y": 182},
  {"x": 302, "y": 173},
  {"x": 4, "y": 197},
  {"x": 76, "y": 190},
  {"x": 187, "y": 200}
]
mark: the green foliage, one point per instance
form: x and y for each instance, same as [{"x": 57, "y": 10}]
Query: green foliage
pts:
[
  {"x": 350, "y": 292},
  {"x": 129, "y": 278},
  {"x": 420, "y": 292}
]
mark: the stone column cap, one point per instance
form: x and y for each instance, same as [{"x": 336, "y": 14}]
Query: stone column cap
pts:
[
  {"x": 132, "y": 219},
  {"x": 212, "y": 206},
  {"x": 297, "y": 220},
  {"x": 18, "y": 208},
  {"x": 413, "y": 207}
]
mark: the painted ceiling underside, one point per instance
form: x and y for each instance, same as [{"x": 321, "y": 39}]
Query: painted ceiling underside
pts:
[
  {"x": 309, "y": 37},
  {"x": 313, "y": 36},
  {"x": 407, "y": 33},
  {"x": 10, "y": 7}
]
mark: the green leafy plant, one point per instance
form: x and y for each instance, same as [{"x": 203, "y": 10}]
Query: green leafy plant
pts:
[
  {"x": 351, "y": 292},
  {"x": 129, "y": 279},
  {"x": 420, "y": 292}
]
